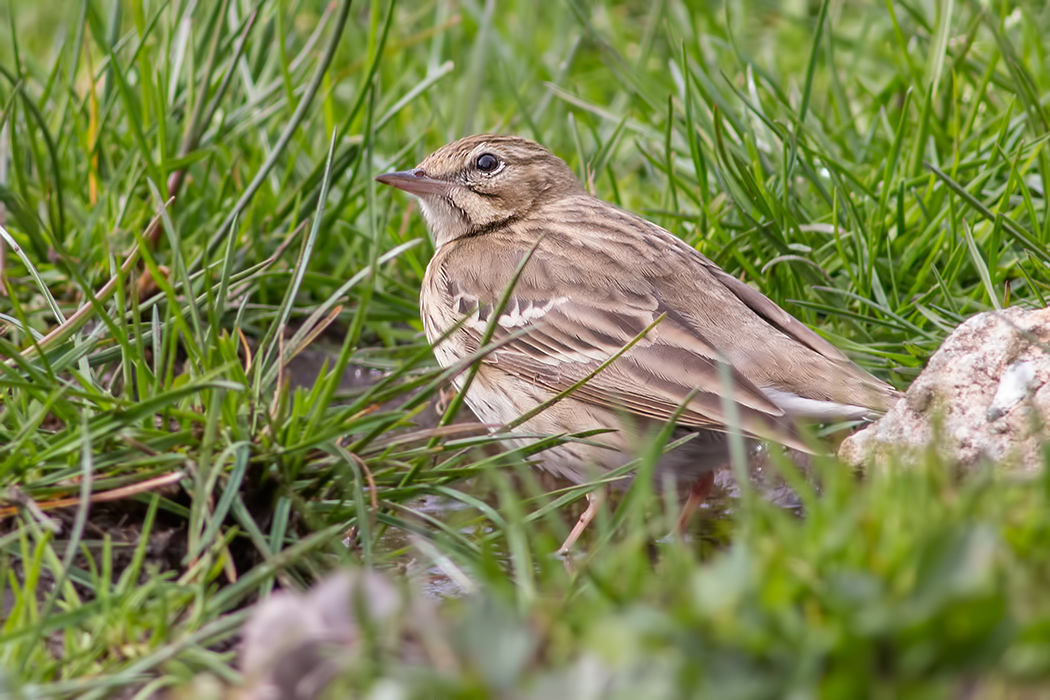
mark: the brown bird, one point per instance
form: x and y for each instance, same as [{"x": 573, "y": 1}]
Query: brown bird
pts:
[{"x": 596, "y": 278}]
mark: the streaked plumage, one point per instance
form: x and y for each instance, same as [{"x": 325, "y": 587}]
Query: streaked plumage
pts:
[{"x": 599, "y": 276}]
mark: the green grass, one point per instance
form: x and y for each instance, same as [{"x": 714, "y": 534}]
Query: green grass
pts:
[{"x": 881, "y": 170}]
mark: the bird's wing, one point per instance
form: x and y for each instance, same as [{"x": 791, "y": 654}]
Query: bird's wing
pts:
[
  {"x": 772, "y": 314},
  {"x": 670, "y": 367}
]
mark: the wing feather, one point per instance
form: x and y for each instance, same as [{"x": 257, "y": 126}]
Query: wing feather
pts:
[{"x": 669, "y": 366}]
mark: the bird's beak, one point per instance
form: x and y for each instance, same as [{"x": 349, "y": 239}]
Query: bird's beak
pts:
[{"x": 413, "y": 182}]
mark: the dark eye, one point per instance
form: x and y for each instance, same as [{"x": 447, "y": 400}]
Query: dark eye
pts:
[{"x": 487, "y": 162}]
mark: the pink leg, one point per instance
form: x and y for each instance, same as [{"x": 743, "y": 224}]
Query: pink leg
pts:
[
  {"x": 593, "y": 502},
  {"x": 697, "y": 495}
]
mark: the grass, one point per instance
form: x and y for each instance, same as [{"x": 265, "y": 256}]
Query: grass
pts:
[{"x": 189, "y": 212}]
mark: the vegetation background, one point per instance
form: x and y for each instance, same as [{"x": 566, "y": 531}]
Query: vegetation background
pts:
[{"x": 214, "y": 382}]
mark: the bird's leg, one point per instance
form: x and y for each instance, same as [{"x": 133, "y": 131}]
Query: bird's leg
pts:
[
  {"x": 445, "y": 396},
  {"x": 594, "y": 500},
  {"x": 697, "y": 495}
]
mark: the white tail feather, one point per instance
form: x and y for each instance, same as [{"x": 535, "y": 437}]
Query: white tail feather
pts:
[{"x": 797, "y": 406}]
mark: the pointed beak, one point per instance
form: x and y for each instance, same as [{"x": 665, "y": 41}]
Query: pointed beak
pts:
[{"x": 414, "y": 182}]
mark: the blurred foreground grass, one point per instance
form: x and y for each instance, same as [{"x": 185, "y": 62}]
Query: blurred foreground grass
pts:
[{"x": 188, "y": 211}]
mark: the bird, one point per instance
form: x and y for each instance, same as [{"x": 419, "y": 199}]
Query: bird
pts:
[{"x": 556, "y": 283}]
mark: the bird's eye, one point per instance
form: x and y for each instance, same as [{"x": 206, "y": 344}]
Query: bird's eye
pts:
[{"x": 487, "y": 162}]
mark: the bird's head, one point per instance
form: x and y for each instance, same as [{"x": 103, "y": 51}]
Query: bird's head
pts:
[{"x": 483, "y": 182}]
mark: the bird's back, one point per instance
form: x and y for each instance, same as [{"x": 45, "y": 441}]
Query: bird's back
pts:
[{"x": 593, "y": 259}]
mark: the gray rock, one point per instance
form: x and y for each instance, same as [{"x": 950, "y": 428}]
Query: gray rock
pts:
[
  {"x": 984, "y": 397},
  {"x": 295, "y": 643}
]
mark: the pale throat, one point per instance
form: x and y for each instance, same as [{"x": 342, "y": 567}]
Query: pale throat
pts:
[{"x": 442, "y": 222}]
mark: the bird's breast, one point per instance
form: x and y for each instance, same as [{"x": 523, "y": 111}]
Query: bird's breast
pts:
[{"x": 438, "y": 316}]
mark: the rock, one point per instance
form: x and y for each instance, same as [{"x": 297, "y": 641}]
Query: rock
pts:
[
  {"x": 984, "y": 397},
  {"x": 295, "y": 644}
]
